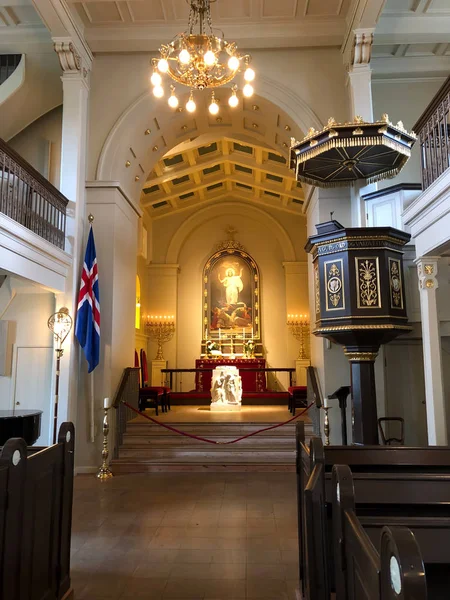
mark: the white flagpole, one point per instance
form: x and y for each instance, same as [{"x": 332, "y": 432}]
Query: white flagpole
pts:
[{"x": 91, "y": 407}]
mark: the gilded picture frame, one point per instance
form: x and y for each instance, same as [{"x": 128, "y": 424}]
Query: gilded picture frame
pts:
[{"x": 231, "y": 295}]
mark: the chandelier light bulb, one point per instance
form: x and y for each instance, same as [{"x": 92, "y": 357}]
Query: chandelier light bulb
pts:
[
  {"x": 233, "y": 63},
  {"x": 233, "y": 100},
  {"x": 184, "y": 57},
  {"x": 156, "y": 78},
  {"x": 248, "y": 90},
  {"x": 158, "y": 91},
  {"x": 190, "y": 104},
  {"x": 209, "y": 58},
  {"x": 249, "y": 74},
  {"x": 213, "y": 107},
  {"x": 173, "y": 100},
  {"x": 163, "y": 65}
]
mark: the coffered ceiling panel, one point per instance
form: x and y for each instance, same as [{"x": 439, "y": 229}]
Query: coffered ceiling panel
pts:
[
  {"x": 103, "y": 12},
  {"x": 332, "y": 8},
  {"x": 151, "y": 10},
  {"x": 197, "y": 172},
  {"x": 232, "y": 9},
  {"x": 279, "y": 8}
]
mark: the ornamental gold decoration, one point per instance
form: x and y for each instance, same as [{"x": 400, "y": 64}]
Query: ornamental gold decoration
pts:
[
  {"x": 316, "y": 288},
  {"x": 368, "y": 283},
  {"x": 334, "y": 285},
  {"x": 395, "y": 283}
]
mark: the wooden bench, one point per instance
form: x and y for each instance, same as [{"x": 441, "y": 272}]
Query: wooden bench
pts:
[
  {"x": 394, "y": 571},
  {"x": 36, "y": 491},
  {"x": 395, "y": 486}
]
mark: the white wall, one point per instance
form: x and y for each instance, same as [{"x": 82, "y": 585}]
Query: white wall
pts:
[
  {"x": 405, "y": 101},
  {"x": 40, "y": 145},
  {"x": 31, "y": 346},
  {"x": 40, "y": 92}
]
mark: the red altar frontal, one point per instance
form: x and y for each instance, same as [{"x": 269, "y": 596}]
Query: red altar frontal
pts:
[{"x": 252, "y": 381}]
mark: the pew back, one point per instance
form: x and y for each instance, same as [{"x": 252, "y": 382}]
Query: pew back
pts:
[
  {"x": 362, "y": 572},
  {"x": 36, "y": 519}
]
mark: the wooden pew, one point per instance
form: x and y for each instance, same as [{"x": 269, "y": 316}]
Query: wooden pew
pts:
[
  {"x": 394, "y": 571},
  {"x": 409, "y": 486},
  {"x": 36, "y": 491}
]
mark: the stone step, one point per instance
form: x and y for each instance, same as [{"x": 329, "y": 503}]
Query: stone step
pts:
[
  {"x": 256, "y": 441},
  {"x": 211, "y": 454},
  {"x": 210, "y": 429},
  {"x": 125, "y": 467}
]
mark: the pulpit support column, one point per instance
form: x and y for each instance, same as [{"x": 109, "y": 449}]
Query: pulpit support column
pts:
[{"x": 362, "y": 370}]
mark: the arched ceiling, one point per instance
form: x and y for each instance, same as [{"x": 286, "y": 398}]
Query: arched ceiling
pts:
[{"x": 206, "y": 169}]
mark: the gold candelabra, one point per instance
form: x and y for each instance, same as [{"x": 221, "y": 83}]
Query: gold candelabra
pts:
[
  {"x": 161, "y": 330},
  {"x": 326, "y": 425},
  {"x": 104, "y": 471},
  {"x": 299, "y": 327}
]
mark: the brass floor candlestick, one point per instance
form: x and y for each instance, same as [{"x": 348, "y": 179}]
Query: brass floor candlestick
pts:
[
  {"x": 326, "y": 426},
  {"x": 104, "y": 471}
]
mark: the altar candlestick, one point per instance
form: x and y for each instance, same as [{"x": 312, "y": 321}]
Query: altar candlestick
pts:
[
  {"x": 219, "y": 334},
  {"x": 243, "y": 333}
]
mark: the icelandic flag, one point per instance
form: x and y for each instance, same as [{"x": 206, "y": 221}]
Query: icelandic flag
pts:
[{"x": 87, "y": 326}]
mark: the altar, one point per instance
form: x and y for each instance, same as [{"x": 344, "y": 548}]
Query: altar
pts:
[{"x": 252, "y": 381}]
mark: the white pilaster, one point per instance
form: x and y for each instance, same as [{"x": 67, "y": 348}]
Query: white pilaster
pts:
[
  {"x": 163, "y": 299},
  {"x": 75, "y": 82},
  {"x": 427, "y": 269}
]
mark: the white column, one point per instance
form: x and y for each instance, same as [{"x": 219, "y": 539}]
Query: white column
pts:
[
  {"x": 75, "y": 81},
  {"x": 427, "y": 269},
  {"x": 360, "y": 94}
]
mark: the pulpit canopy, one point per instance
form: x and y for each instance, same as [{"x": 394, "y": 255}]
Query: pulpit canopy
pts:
[{"x": 342, "y": 153}]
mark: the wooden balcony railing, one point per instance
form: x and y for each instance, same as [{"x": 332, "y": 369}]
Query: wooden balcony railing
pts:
[
  {"x": 433, "y": 129},
  {"x": 28, "y": 198}
]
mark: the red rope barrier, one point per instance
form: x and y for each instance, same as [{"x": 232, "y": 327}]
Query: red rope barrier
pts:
[{"x": 202, "y": 439}]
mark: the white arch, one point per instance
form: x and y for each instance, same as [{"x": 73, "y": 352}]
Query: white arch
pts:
[
  {"x": 243, "y": 209},
  {"x": 128, "y": 131}
]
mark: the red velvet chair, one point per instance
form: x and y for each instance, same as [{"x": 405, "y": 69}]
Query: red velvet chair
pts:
[
  {"x": 297, "y": 397},
  {"x": 152, "y": 395}
]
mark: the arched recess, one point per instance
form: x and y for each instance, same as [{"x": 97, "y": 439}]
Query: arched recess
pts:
[
  {"x": 244, "y": 209},
  {"x": 151, "y": 129}
]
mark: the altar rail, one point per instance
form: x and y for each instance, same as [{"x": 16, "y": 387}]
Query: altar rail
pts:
[
  {"x": 179, "y": 384},
  {"x": 433, "y": 129},
  {"x": 28, "y": 198}
]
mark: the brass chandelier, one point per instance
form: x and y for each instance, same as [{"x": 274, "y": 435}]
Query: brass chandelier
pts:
[{"x": 201, "y": 60}]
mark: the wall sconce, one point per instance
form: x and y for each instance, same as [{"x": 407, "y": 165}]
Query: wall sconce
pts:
[{"x": 60, "y": 324}]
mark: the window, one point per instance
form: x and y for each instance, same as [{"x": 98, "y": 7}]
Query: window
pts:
[
  {"x": 277, "y": 158},
  {"x": 174, "y": 160},
  {"x": 137, "y": 318},
  {"x": 207, "y": 149}
]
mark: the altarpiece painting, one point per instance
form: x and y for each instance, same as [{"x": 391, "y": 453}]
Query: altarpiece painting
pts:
[{"x": 231, "y": 294}]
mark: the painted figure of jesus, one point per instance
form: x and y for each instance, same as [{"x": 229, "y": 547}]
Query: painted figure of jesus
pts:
[{"x": 232, "y": 284}]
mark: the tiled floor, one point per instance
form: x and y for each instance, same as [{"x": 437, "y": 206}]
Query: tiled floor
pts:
[{"x": 175, "y": 536}]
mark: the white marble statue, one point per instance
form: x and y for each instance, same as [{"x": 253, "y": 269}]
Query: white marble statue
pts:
[{"x": 226, "y": 389}]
